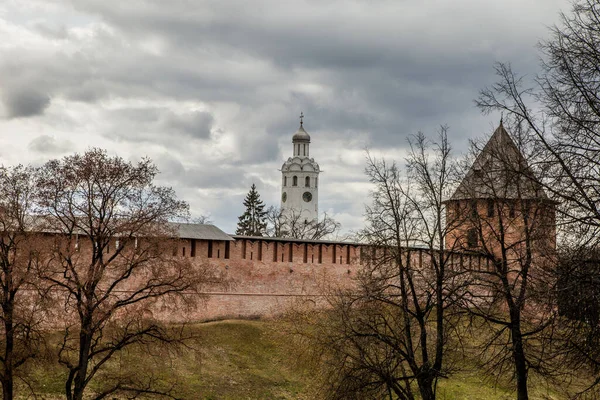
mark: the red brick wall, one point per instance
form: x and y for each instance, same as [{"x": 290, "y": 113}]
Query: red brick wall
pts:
[
  {"x": 261, "y": 284},
  {"x": 265, "y": 276},
  {"x": 460, "y": 220}
]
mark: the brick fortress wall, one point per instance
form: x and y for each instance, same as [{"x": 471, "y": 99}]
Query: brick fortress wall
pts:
[{"x": 265, "y": 276}]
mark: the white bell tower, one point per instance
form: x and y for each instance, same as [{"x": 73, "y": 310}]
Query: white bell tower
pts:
[{"x": 300, "y": 180}]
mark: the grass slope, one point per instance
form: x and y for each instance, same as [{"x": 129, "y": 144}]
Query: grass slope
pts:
[
  {"x": 251, "y": 360},
  {"x": 232, "y": 360},
  {"x": 242, "y": 360}
]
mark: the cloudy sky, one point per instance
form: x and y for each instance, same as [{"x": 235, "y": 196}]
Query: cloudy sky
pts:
[{"x": 211, "y": 90}]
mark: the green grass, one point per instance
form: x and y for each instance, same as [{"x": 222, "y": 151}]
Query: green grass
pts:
[
  {"x": 253, "y": 360},
  {"x": 241, "y": 359},
  {"x": 230, "y": 360},
  {"x": 475, "y": 385}
]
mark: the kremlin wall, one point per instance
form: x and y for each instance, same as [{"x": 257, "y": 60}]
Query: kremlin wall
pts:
[{"x": 264, "y": 276}]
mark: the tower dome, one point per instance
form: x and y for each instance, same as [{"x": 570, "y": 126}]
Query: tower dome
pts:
[{"x": 301, "y": 135}]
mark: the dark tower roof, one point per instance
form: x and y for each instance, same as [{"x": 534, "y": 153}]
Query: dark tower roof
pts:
[{"x": 500, "y": 171}]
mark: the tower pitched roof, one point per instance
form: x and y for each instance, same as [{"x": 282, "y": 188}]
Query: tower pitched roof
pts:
[{"x": 500, "y": 171}]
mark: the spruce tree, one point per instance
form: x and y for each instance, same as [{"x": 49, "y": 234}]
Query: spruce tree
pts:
[{"x": 254, "y": 220}]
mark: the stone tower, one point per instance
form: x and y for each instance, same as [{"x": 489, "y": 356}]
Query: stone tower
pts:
[
  {"x": 500, "y": 199},
  {"x": 300, "y": 180}
]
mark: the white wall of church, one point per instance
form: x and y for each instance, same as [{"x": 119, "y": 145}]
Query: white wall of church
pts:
[{"x": 300, "y": 199}]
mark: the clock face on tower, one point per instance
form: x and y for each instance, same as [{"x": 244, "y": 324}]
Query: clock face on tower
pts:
[
  {"x": 307, "y": 196},
  {"x": 284, "y": 197}
]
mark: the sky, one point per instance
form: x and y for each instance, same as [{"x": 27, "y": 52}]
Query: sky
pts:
[{"x": 211, "y": 91}]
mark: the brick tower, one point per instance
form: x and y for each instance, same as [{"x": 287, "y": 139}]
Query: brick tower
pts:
[{"x": 500, "y": 204}]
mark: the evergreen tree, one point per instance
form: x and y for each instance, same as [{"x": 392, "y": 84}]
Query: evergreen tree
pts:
[{"x": 254, "y": 220}]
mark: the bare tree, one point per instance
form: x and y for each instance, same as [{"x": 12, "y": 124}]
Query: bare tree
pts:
[
  {"x": 560, "y": 110},
  {"x": 294, "y": 225},
  {"x": 508, "y": 219},
  {"x": 112, "y": 263},
  {"x": 393, "y": 329},
  {"x": 274, "y": 218},
  {"x": 21, "y": 248},
  {"x": 202, "y": 219}
]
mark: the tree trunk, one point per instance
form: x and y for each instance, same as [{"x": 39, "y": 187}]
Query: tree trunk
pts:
[
  {"x": 69, "y": 385},
  {"x": 7, "y": 376},
  {"x": 7, "y": 387},
  {"x": 520, "y": 364},
  {"x": 426, "y": 387},
  {"x": 85, "y": 341}
]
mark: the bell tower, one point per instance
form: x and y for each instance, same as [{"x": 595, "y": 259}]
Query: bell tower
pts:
[{"x": 300, "y": 180}]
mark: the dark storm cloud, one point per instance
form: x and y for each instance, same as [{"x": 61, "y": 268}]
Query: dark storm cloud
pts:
[
  {"x": 32, "y": 79},
  {"x": 24, "y": 102}
]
